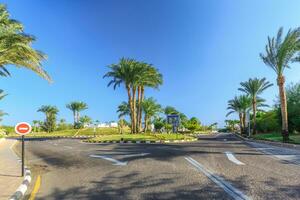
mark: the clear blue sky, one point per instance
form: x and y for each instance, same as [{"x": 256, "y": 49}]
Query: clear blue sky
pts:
[{"x": 204, "y": 49}]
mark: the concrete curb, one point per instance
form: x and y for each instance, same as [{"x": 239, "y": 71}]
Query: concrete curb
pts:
[
  {"x": 20, "y": 192},
  {"x": 23, "y": 187},
  {"x": 278, "y": 144},
  {"x": 141, "y": 141},
  {"x": 54, "y": 137}
]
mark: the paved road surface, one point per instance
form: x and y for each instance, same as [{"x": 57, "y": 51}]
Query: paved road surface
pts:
[{"x": 215, "y": 167}]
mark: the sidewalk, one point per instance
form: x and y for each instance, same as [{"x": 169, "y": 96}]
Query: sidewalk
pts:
[
  {"x": 282, "y": 153},
  {"x": 289, "y": 153},
  {"x": 10, "y": 170}
]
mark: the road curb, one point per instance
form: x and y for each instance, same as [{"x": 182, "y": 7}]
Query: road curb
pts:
[
  {"x": 54, "y": 137},
  {"x": 20, "y": 192},
  {"x": 278, "y": 144}
]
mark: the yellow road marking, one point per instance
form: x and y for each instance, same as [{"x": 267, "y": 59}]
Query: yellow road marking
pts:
[{"x": 36, "y": 188}]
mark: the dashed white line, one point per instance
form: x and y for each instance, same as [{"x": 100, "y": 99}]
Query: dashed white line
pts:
[
  {"x": 233, "y": 159},
  {"x": 226, "y": 186}
]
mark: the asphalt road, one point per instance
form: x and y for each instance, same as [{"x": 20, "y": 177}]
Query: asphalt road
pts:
[{"x": 215, "y": 167}]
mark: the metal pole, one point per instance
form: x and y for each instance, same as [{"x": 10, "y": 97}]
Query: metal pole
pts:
[{"x": 23, "y": 155}]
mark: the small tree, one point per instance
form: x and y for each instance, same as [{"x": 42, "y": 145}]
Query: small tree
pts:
[
  {"x": 193, "y": 124},
  {"x": 49, "y": 124},
  {"x": 76, "y": 107},
  {"x": 85, "y": 120}
]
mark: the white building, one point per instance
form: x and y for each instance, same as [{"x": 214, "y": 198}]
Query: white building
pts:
[{"x": 107, "y": 125}]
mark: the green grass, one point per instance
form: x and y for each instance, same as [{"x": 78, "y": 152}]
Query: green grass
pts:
[
  {"x": 109, "y": 134},
  {"x": 101, "y": 131},
  {"x": 74, "y": 132},
  {"x": 295, "y": 138},
  {"x": 139, "y": 137},
  {"x": 172, "y": 136}
]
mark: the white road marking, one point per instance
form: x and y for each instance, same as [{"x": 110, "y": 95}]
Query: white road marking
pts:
[
  {"x": 135, "y": 155},
  {"x": 116, "y": 162},
  {"x": 68, "y": 147},
  {"x": 233, "y": 159},
  {"x": 55, "y": 144},
  {"x": 226, "y": 186}
]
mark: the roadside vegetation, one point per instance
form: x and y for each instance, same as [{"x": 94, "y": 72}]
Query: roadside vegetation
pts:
[
  {"x": 284, "y": 116},
  {"x": 277, "y": 137},
  {"x": 140, "y": 137}
]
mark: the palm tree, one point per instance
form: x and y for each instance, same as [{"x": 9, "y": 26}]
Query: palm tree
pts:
[
  {"x": 148, "y": 77},
  {"x": 85, "y": 120},
  {"x": 240, "y": 104},
  {"x": 50, "y": 112},
  {"x": 16, "y": 47},
  {"x": 2, "y": 95},
  {"x": 280, "y": 52},
  {"x": 151, "y": 108},
  {"x": 35, "y": 124},
  {"x": 126, "y": 72},
  {"x": 76, "y": 107},
  {"x": 169, "y": 110},
  {"x": 123, "y": 109},
  {"x": 2, "y": 114},
  {"x": 253, "y": 88}
]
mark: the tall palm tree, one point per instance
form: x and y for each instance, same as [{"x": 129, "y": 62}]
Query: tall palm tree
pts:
[
  {"x": 240, "y": 105},
  {"x": 50, "y": 112},
  {"x": 16, "y": 47},
  {"x": 148, "y": 77},
  {"x": 76, "y": 107},
  {"x": 280, "y": 52},
  {"x": 253, "y": 88},
  {"x": 126, "y": 72},
  {"x": 151, "y": 109}
]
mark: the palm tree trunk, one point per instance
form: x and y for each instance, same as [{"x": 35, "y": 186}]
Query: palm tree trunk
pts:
[
  {"x": 134, "y": 108},
  {"x": 138, "y": 109},
  {"x": 141, "y": 110},
  {"x": 283, "y": 105},
  {"x": 245, "y": 125},
  {"x": 146, "y": 123},
  {"x": 254, "y": 115},
  {"x": 241, "y": 123},
  {"x": 130, "y": 105},
  {"x": 74, "y": 115}
]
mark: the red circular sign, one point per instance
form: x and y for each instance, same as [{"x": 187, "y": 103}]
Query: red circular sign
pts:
[{"x": 23, "y": 128}]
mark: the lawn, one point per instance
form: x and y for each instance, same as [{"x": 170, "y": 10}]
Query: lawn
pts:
[
  {"x": 295, "y": 138},
  {"x": 140, "y": 137}
]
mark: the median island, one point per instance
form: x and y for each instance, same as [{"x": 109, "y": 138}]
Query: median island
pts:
[
  {"x": 106, "y": 135},
  {"x": 134, "y": 138}
]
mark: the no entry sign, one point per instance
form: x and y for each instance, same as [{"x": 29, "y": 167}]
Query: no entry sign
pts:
[{"x": 23, "y": 128}]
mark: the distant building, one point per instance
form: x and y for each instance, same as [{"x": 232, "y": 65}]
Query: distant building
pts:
[{"x": 107, "y": 125}]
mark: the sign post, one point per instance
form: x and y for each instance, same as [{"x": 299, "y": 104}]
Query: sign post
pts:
[{"x": 22, "y": 129}]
